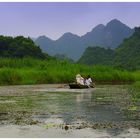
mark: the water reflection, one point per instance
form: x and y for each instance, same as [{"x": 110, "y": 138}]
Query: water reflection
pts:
[
  {"x": 83, "y": 96},
  {"x": 76, "y": 107}
]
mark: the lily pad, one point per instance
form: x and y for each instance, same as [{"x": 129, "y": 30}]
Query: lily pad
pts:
[
  {"x": 49, "y": 125},
  {"x": 132, "y": 108}
]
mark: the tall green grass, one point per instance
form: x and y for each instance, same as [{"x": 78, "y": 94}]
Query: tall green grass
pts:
[
  {"x": 35, "y": 71},
  {"x": 9, "y": 76},
  {"x": 136, "y": 75}
]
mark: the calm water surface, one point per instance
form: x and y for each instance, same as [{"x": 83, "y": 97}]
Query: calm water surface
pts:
[{"x": 57, "y": 111}]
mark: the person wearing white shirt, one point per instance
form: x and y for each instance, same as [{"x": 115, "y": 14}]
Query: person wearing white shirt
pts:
[{"x": 88, "y": 81}]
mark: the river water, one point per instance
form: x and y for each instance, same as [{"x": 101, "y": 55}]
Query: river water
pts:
[{"x": 57, "y": 111}]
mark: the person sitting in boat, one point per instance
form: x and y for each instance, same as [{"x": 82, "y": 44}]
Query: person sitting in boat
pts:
[
  {"x": 89, "y": 82},
  {"x": 79, "y": 79}
]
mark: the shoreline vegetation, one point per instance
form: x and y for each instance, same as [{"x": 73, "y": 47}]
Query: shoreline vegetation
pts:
[{"x": 23, "y": 71}]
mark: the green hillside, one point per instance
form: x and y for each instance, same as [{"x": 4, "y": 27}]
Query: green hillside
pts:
[
  {"x": 126, "y": 55},
  {"x": 97, "y": 55},
  {"x": 19, "y": 47}
]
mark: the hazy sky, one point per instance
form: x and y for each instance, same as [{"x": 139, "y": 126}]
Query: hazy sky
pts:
[{"x": 54, "y": 19}]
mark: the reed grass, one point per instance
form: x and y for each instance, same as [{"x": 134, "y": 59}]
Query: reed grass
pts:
[
  {"x": 34, "y": 71},
  {"x": 136, "y": 84}
]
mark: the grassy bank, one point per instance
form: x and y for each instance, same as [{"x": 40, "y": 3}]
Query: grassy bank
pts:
[
  {"x": 35, "y": 71},
  {"x": 136, "y": 84}
]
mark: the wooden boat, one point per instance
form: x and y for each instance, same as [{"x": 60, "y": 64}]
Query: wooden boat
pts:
[{"x": 77, "y": 86}]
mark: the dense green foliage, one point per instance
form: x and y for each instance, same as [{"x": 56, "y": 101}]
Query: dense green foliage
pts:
[
  {"x": 97, "y": 55},
  {"x": 126, "y": 56},
  {"x": 35, "y": 71},
  {"x": 19, "y": 47}
]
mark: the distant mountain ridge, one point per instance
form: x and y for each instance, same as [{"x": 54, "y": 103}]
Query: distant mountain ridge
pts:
[{"x": 73, "y": 45}]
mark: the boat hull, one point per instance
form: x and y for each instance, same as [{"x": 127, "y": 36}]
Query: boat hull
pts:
[{"x": 77, "y": 86}]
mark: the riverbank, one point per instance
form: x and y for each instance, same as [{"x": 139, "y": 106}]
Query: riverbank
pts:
[{"x": 29, "y": 71}]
